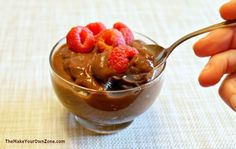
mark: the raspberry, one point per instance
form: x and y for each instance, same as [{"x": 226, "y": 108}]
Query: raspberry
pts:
[
  {"x": 128, "y": 35},
  {"x": 80, "y": 39},
  {"x": 96, "y": 27},
  {"x": 126, "y": 32},
  {"x": 109, "y": 39},
  {"x": 119, "y": 25},
  {"x": 102, "y": 46},
  {"x": 130, "y": 52},
  {"x": 118, "y": 60},
  {"x": 119, "y": 57}
]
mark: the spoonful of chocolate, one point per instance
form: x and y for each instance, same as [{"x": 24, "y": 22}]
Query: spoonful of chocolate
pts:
[{"x": 164, "y": 53}]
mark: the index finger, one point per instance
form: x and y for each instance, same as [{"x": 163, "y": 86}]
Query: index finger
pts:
[
  {"x": 228, "y": 10},
  {"x": 215, "y": 42}
]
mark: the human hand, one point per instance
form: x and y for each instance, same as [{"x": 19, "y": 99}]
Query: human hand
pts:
[{"x": 220, "y": 46}]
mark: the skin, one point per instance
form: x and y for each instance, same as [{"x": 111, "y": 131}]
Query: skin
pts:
[{"x": 220, "y": 47}]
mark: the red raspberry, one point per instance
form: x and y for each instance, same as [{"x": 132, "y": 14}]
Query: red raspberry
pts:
[
  {"x": 109, "y": 39},
  {"x": 119, "y": 25},
  {"x": 102, "y": 46},
  {"x": 80, "y": 39},
  {"x": 130, "y": 51},
  {"x": 96, "y": 27},
  {"x": 126, "y": 32},
  {"x": 118, "y": 60},
  {"x": 128, "y": 35},
  {"x": 119, "y": 57}
]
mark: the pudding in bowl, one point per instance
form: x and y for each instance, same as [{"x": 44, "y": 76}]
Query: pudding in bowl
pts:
[{"x": 86, "y": 72}]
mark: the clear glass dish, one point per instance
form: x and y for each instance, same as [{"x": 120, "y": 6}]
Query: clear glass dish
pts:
[{"x": 106, "y": 111}]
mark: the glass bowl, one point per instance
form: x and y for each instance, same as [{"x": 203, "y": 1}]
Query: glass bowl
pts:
[{"x": 106, "y": 111}]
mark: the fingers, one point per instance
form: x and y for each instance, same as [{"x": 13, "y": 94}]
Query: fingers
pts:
[
  {"x": 227, "y": 91},
  {"x": 219, "y": 40},
  {"x": 217, "y": 66},
  {"x": 215, "y": 42},
  {"x": 228, "y": 10},
  {"x": 222, "y": 61}
]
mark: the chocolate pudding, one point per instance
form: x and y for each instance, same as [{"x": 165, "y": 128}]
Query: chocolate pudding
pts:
[
  {"x": 88, "y": 68},
  {"x": 91, "y": 70},
  {"x": 89, "y": 91}
]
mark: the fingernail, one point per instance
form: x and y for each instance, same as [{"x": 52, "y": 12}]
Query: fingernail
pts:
[{"x": 233, "y": 102}]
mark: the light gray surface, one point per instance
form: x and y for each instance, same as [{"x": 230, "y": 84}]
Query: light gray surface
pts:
[{"x": 184, "y": 116}]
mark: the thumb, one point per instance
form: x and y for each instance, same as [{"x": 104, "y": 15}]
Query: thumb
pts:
[{"x": 227, "y": 91}]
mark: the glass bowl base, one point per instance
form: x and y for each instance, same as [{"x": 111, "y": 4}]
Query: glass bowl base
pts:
[{"x": 102, "y": 128}]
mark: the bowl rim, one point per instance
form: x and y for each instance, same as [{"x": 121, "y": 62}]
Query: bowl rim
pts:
[{"x": 104, "y": 91}]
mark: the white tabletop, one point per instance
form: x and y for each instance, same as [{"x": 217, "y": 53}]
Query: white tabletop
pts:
[{"x": 185, "y": 115}]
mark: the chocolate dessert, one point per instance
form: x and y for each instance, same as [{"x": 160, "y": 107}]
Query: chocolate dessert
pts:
[
  {"x": 88, "y": 67},
  {"x": 91, "y": 70}
]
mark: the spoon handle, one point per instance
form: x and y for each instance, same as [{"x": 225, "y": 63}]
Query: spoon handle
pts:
[{"x": 224, "y": 24}]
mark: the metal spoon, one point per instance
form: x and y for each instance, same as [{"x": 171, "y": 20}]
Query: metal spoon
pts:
[{"x": 165, "y": 52}]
